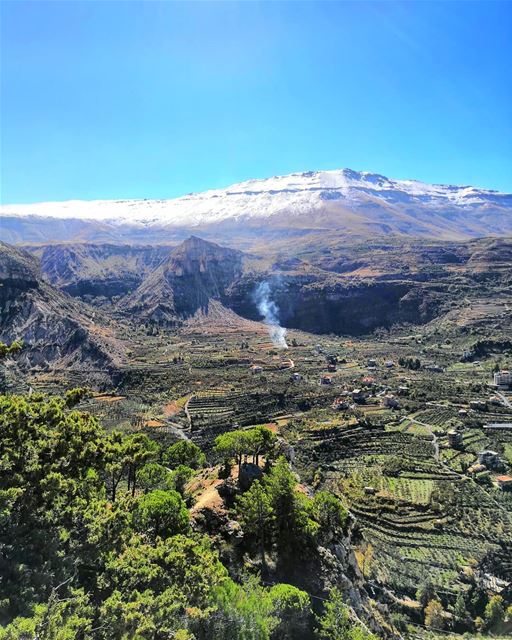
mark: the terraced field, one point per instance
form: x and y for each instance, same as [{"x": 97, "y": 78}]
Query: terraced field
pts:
[
  {"x": 419, "y": 518},
  {"x": 436, "y": 416},
  {"x": 224, "y": 407},
  {"x": 119, "y": 412},
  {"x": 211, "y": 408}
]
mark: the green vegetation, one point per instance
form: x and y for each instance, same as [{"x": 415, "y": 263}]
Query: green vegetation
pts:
[
  {"x": 335, "y": 624},
  {"x": 184, "y": 453},
  {"x": 96, "y": 543},
  {"x": 276, "y": 511},
  {"x": 255, "y": 442},
  {"x": 13, "y": 348},
  {"x": 191, "y": 451}
]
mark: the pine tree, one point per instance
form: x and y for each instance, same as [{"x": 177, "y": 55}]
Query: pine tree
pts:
[{"x": 257, "y": 516}]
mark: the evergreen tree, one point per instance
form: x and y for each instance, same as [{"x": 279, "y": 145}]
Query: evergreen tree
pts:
[
  {"x": 294, "y": 526},
  {"x": 163, "y": 513},
  {"x": 494, "y": 612},
  {"x": 459, "y": 610},
  {"x": 425, "y": 593},
  {"x": 184, "y": 453},
  {"x": 256, "y": 516},
  {"x": 335, "y": 623}
]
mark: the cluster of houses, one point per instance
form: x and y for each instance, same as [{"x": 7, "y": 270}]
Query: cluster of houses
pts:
[
  {"x": 359, "y": 395},
  {"x": 489, "y": 460},
  {"x": 364, "y": 388}
]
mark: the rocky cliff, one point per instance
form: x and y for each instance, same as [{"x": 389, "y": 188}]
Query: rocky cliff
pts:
[
  {"x": 330, "y": 286},
  {"x": 194, "y": 273},
  {"x": 55, "y": 328},
  {"x": 326, "y": 304}
]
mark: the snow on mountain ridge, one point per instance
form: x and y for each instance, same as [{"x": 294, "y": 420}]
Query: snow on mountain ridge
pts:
[{"x": 296, "y": 193}]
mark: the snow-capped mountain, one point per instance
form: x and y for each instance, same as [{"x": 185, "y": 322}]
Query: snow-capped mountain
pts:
[{"x": 342, "y": 199}]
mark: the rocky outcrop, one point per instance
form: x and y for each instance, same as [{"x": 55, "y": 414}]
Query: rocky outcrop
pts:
[
  {"x": 195, "y": 273},
  {"x": 309, "y": 298},
  {"x": 329, "y": 286},
  {"x": 328, "y": 563}
]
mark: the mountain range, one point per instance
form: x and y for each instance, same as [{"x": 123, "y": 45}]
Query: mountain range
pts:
[
  {"x": 355, "y": 203},
  {"x": 69, "y": 301},
  {"x": 341, "y": 252}
]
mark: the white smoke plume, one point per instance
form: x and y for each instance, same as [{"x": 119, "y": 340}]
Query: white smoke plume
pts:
[{"x": 270, "y": 312}]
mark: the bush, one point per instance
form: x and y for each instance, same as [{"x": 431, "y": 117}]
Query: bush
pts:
[
  {"x": 494, "y": 612},
  {"x": 335, "y": 623},
  {"x": 434, "y": 614},
  {"x": 328, "y": 511}
]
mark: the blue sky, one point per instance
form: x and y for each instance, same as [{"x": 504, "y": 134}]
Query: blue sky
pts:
[{"x": 159, "y": 99}]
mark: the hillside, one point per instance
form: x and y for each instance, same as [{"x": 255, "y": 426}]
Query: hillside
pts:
[
  {"x": 340, "y": 288},
  {"x": 358, "y": 203},
  {"x": 391, "y": 349},
  {"x": 55, "y": 328},
  {"x": 97, "y": 269},
  {"x": 320, "y": 284}
]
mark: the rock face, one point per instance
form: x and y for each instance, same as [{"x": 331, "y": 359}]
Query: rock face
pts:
[
  {"x": 322, "y": 304},
  {"x": 347, "y": 289},
  {"x": 308, "y": 298},
  {"x": 54, "y": 327},
  {"x": 329, "y": 563},
  {"x": 90, "y": 270},
  {"x": 195, "y": 273}
]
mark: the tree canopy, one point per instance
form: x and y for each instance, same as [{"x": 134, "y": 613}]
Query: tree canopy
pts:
[{"x": 96, "y": 542}]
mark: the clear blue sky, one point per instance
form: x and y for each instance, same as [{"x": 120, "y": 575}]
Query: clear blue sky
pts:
[{"x": 158, "y": 99}]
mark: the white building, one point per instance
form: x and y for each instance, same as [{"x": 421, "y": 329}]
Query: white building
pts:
[{"x": 503, "y": 379}]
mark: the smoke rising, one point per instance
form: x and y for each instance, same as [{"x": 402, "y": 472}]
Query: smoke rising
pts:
[{"x": 270, "y": 312}]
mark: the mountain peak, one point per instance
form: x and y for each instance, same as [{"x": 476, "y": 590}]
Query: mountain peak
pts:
[
  {"x": 194, "y": 246},
  {"x": 195, "y": 241}
]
